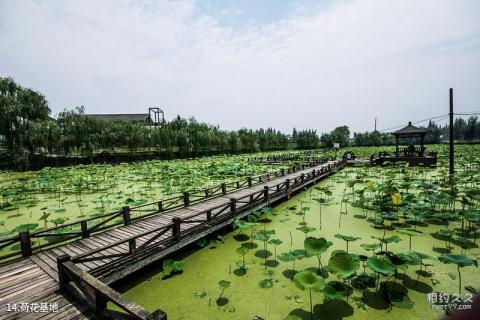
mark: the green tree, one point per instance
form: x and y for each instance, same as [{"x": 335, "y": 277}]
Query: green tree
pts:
[{"x": 19, "y": 106}]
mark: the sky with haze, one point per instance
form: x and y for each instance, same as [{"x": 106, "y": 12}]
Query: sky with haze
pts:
[{"x": 249, "y": 63}]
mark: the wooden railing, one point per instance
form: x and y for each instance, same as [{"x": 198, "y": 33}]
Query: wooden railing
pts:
[
  {"x": 49, "y": 237},
  {"x": 143, "y": 244},
  {"x": 284, "y": 159},
  {"x": 95, "y": 294},
  {"x": 143, "y": 247}
]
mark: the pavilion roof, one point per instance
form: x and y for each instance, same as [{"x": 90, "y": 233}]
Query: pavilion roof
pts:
[{"x": 411, "y": 131}]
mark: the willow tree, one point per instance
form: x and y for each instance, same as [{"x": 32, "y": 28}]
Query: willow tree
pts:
[{"x": 19, "y": 106}]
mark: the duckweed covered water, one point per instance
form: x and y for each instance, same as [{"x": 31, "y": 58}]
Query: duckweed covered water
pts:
[{"x": 271, "y": 294}]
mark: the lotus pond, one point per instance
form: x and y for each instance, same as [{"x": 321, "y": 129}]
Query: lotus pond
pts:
[
  {"x": 365, "y": 243},
  {"x": 52, "y": 196}
]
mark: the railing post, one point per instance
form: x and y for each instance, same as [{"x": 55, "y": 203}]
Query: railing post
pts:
[
  {"x": 265, "y": 194},
  {"x": 224, "y": 188},
  {"x": 233, "y": 207},
  {"x": 126, "y": 215},
  {"x": 157, "y": 315},
  {"x": 206, "y": 193},
  {"x": 249, "y": 179},
  {"x": 186, "y": 199},
  {"x": 302, "y": 177},
  {"x": 176, "y": 228},
  {"x": 85, "y": 233},
  {"x": 62, "y": 276},
  {"x": 282, "y": 172},
  {"x": 100, "y": 303},
  {"x": 25, "y": 244},
  {"x": 132, "y": 245},
  {"x": 160, "y": 205},
  {"x": 209, "y": 215}
]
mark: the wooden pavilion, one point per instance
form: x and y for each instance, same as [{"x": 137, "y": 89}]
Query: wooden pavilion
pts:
[{"x": 414, "y": 155}]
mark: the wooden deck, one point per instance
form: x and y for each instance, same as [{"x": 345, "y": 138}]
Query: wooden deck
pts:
[
  {"x": 428, "y": 159},
  {"x": 113, "y": 254}
]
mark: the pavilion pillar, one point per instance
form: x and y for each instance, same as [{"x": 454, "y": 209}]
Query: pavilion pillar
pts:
[
  {"x": 422, "y": 138},
  {"x": 396, "y": 146}
]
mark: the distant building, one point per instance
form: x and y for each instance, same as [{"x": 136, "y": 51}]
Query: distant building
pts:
[{"x": 154, "y": 116}]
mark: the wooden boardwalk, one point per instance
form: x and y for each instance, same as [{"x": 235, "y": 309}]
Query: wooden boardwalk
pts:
[{"x": 36, "y": 281}]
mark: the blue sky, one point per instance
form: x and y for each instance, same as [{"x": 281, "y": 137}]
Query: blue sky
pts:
[
  {"x": 308, "y": 64},
  {"x": 234, "y": 13},
  {"x": 251, "y": 12}
]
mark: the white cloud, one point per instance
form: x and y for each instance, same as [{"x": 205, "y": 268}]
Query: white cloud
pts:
[{"x": 344, "y": 63}]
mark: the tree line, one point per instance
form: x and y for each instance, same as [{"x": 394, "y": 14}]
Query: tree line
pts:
[
  {"x": 27, "y": 129},
  {"x": 463, "y": 131}
]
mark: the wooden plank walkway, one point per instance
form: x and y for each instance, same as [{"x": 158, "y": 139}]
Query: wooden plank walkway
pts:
[{"x": 35, "y": 279}]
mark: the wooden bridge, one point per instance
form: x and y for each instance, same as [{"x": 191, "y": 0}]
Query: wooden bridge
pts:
[{"x": 69, "y": 279}]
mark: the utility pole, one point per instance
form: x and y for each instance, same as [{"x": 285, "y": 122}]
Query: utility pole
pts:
[
  {"x": 375, "y": 124},
  {"x": 452, "y": 151}
]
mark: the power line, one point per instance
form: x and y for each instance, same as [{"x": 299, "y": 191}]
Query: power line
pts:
[
  {"x": 416, "y": 122},
  {"x": 478, "y": 111},
  {"x": 437, "y": 118},
  {"x": 468, "y": 113}
]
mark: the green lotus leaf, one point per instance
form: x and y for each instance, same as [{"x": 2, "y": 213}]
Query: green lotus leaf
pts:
[
  {"x": 202, "y": 242},
  {"x": 178, "y": 266},
  {"x": 60, "y": 220},
  {"x": 381, "y": 264},
  {"x": 287, "y": 256},
  {"x": 390, "y": 239},
  {"x": 266, "y": 211},
  {"x": 334, "y": 290},
  {"x": 409, "y": 258},
  {"x": 370, "y": 246},
  {"x": 343, "y": 264},
  {"x": 316, "y": 246},
  {"x": 129, "y": 201},
  {"x": 346, "y": 237},
  {"x": 473, "y": 216},
  {"x": 241, "y": 224},
  {"x": 446, "y": 232},
  {"x": 411, "y": 232},
  {"x": 241, "y": 251},
  {"x": 309, "y": 280},
  {"x": 458, "y": 259},
  {"x": 44, "y": 216},
  {"x": 25, "y": 227},
  {"x": 388, "y": 215},
  {"x": 306, "y": 229},
  {"x": 168, "y": 266},
  {"x": 299, "y": 254},
  {"x": 265, "y": 283},
  {"x": 275, "y": 242},
  {"x": 420, "y": 256},
  {"x": 261, "y": 237},
  {"x": 224, "y": 284}
]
